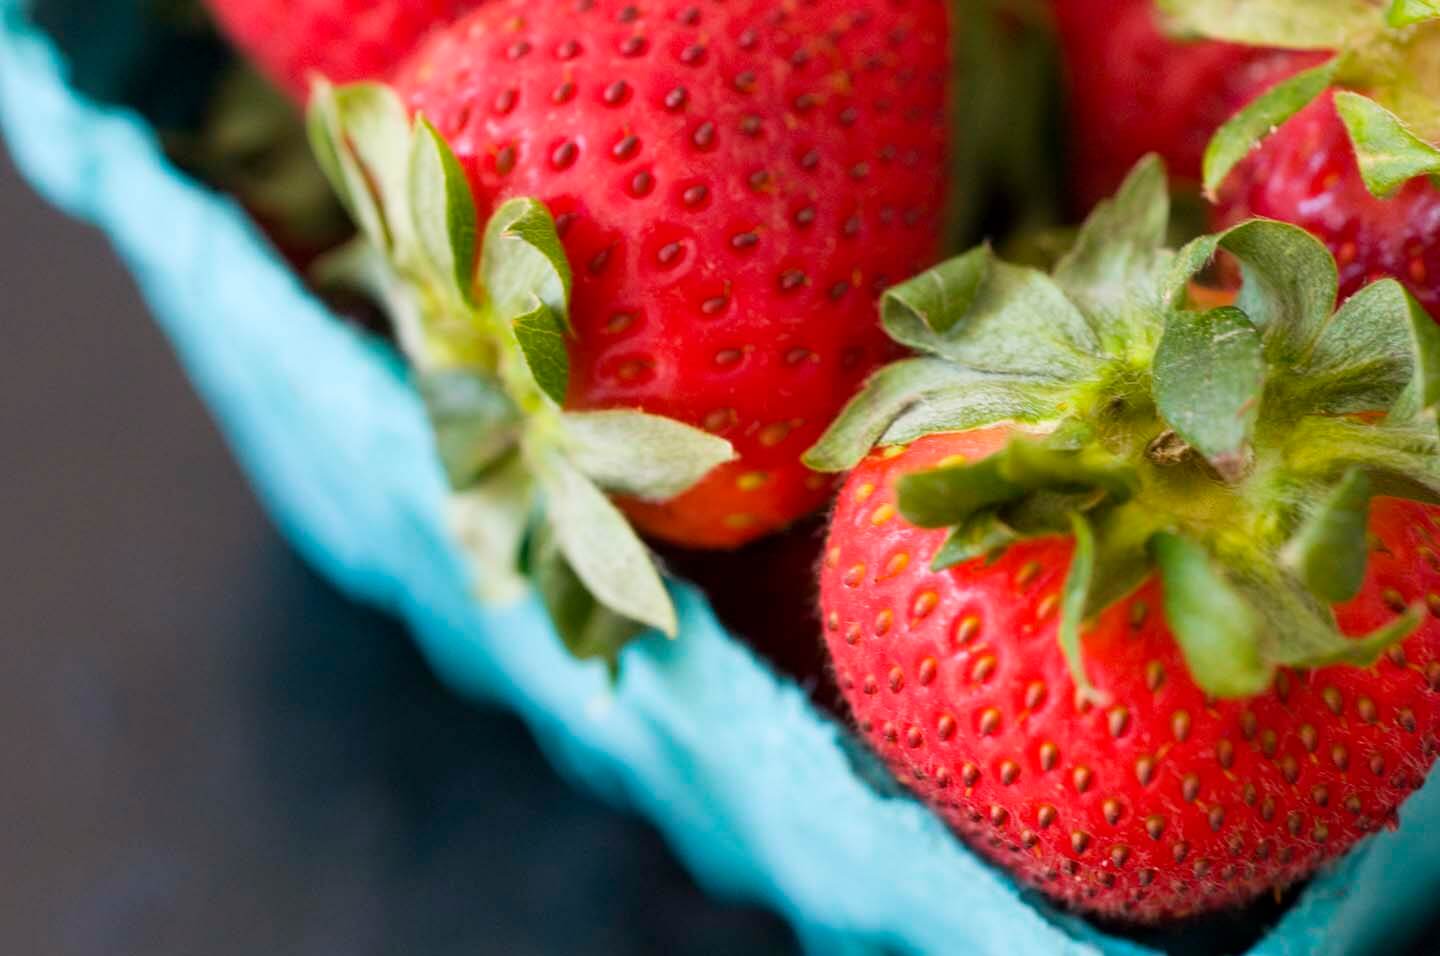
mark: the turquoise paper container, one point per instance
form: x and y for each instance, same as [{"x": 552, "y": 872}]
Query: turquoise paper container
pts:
[{"x": 757, "y": 791}]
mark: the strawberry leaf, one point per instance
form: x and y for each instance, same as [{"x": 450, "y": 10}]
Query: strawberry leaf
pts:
[
  {"x": 1293, "y": 24},
  {"x": 983, "y": 534},
  {"x": 475, "y": 422},
  {"x": 647, "y": 456},
  {"x": 329, "y": 140},
  {"x": 1208, "y": 378},
  {"x": 601, "y": 547},
  {"x": 1289, "y": 282},
  {"x": 1116, "y": 253},
  {"x": 1244, "y": 131},
  {"x": 1380, "y": 353},
  {"x": 444, "y": 212},
  {"x": 488, "y": 520},
  {"x": 1404, "y": 13},
  {"x": 588, "y": 629},
  {"x": 950, "y": 495},
  {"x": 1014, "y": 321},
  {"x": 1329, "y": 551},
  {"x": 1074, "y": 597},
  {"x": 1389, "y": 153},
  {"x": 914, "y": 397},
  {"x": 1217, "y": 629},
  {"x": 541, "y": 337}
]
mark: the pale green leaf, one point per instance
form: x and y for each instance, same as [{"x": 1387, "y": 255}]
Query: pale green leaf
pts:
[
  {"x": 648, "y": 456},
  {"x": 588, "y": 629},
  {"x": 913, "y": 397},
  {"x": 602, "y": 548},
  {"x": 1016, "y": 321},
  {"x": 444, "y": 212},
  {"x": 325, "y": 126},
  {"x": 1404, "y": 13},
  {"x": 488, "y": 521},
  {"x": 522, "y": 261},
  {"x": 1292, "y": 24},
  {"x": 541, "y": 336},
  {"x": 475, "y": 423},
  {"x": 981, "y": 535},
  {"x": 1244, "y": 131},
  {"x": 1208, "y": 378},
  {"x": 1217, "y": 629},
  {"x": 1389, "y": 153},
  {"x": 1328, "y": 553},
  {"x": 1074, "y": 597}
]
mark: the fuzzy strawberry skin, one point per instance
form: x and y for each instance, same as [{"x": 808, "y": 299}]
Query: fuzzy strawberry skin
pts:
[
  {"x": 1161, "y": 804},
  {"x": 733, "y": 185},
  {"x": 1133, "y": 90},
  {"x": 1305, "y": 173},
  {"x": 342, "y": 40}
]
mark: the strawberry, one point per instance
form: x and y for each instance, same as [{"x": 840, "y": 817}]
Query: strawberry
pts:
[
  {"x": 1121, "y": 593},
  {"x": 1314, "y": 151},
  {"x": 717, "y": 194},
  {"x": 1306, "y": 173},
  {"x": 1134, "y": 90},
  {"x": 732, "y": 187},
  {"x": 342, "y": 40}
]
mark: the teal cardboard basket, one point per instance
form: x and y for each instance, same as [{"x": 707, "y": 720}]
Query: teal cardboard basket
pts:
[{"x": 755, "y": 789}]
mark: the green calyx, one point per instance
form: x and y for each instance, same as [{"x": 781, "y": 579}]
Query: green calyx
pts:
[
  {"x": 1389, "y": 52},
  {"x": 1232, "y": 451},
  {"x": 484, "y": 318}
]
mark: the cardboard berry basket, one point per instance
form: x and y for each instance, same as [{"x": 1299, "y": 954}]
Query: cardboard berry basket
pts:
[{"x": 761, "y": 795}]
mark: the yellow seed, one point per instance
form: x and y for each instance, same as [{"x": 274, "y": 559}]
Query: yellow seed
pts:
[
  {"x": 882, "y": 514},
  {"x": 925, "y": 602},
  {"x": 897, "y": 563},
  {"x": 893, "y": 451},
  {"x": 751, "y": 480},
  {"x": 739, "y": 521},
  {"x": 864, "y": 491}
]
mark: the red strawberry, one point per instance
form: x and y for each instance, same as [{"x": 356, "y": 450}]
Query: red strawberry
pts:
[
  {"x": 342, "y": 40},
  {"x": 1110, "y": 601},
  {"x": 733, "y": 186},
  {"x": 1306, "y": 173},
  {"x": 1133, "y": 90}
]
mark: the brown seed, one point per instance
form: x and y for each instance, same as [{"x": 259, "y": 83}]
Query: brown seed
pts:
[
  {"x": 1320, "y": 833},
  {"x": 897, "y": 679},
  {"x": 1340, "y": 757},
  {"x": 1321, "y": 795},
  {"x": 1377, "y": 765},
  {"x": 1282, "y": 686},
  {"x": 633, "y": 46},
  {"x": 998, "y": 815},
  {"x": 926, "y": 672},
  {"x": 1216, "y": 816},
  {"x": 1079, "y": 841},
  {"x": 1263, "y": 849},
  {"x": 1353, "y": 804},
  {"x": 1287, "y": 854},
  {"x": 1269, "y": 743},
  {"x": 989, "y": 721},
  {"x": 969, "y": 774},
  {"x": 704, "y": 135},
  {"x": 1049, "y": 756},
  {"x": 870, "y": 685},
  {"x": 1293, "y": 822},
  {"x": 1028, "y": 572},
  {"x": 1145, "y": 877},
  {"x": 1248, "y": 725},
  {"x": 1225, "y": 753},
  {"x": 1180, "y": 725},
  {"x": 967, "y": 629},
  {"x": 983, "y": 669},
  {"x": 1267, "y": 809},
  {"x": 1009, "y": 772},
  {"x": 1034, "y": 695},
  {"x": 1405, "y": 717},
  {"x": 1201, "y": 868},
  {"x": 1331, "y": 696},
  {"x": 1028, "y": 838},
  {"x": 1145, "y": 770},
  {"x": 1082, "y": 778},
  {"x": 1432, "y": 675},
  {"x": 1154, "y": 675},
  {"x": 1118, "y": 720},
  {"x": 1289, "y": 768},
  {"x": 945, "y": 726},
  {"x": 1396, "y": 655},
  {"x": 1071, "y": 867},
  {"x": 1249, "y": 795},
  {"x": 1309, "y": 737},
  {"x": 1235, "y": 844},
  {"x": 1155, "y": 826},
  {"x": 1180, "y": 851},
  {"x": 676, "y": 98},
  {"x": 744, "y": 240},
  {"x": 914, "y": 737},
  {"x": 1190, "y": 787},
  {"x": 1119, "y": 854},
  {"x": 1393, "y": 600},
  {"x": 1045, "y": 816},
  {"x": 1112, "y": 810}
]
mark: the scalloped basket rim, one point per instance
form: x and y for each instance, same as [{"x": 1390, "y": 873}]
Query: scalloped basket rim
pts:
[{"x": 751, "y": 786}]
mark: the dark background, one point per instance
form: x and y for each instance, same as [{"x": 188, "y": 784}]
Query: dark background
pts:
[{"x": 207, "y": 750}]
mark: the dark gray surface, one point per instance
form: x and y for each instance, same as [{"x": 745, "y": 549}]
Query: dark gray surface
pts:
[{"x": 206, "y": 749}]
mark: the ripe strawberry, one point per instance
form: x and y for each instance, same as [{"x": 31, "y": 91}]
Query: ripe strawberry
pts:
[
  {"x": 733, "y": 185},
  {"x": 1088, "y": 617},
  {"x": 342, "y": 40},
  {"x": 1133, "y": 90},
  {"x": 1306, "y": 173}
]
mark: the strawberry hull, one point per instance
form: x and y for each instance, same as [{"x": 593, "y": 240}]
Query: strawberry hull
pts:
[{"x": 754, "y": 788}]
